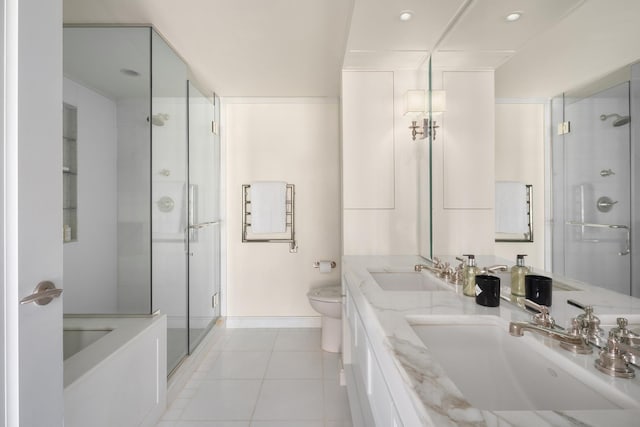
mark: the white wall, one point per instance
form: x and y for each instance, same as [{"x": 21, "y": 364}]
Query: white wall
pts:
[
  {"x": 386, "y": 221},
  {"x": 463, "y": 165},
  {"x": 285, "y": 139},
  {"x": 90, "y": 264},
  {"x": 520, "y": 157}
]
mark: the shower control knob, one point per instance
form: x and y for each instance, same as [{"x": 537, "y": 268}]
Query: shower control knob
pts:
[
  {"x": 605, "y": 204},
  {"x": 606, "y": 172}
]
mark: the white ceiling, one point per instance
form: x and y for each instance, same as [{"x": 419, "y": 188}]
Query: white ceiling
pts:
[
  {"x": 298, "y": 47},
  {"x": 242, "y": 47}
]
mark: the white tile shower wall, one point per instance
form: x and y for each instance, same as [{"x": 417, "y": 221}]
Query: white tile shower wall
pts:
[
  {"x": 294, "y": 140},
  {"x": 168, "y": 178},
  {"x": 378, "y": 228},
  {"x": 134, "y": 255},
  {"x": 520, "y": 157},
  {"x": 90, "y": 263}
]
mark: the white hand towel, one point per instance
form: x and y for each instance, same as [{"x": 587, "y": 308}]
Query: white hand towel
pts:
[
  {"x": 268, "y": 207},
  {"x": 511, "y": 208}
]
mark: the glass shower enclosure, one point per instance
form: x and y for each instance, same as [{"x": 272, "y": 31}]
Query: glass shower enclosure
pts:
[
  {"x": 144, "y": 194},
  {"x": 593, "y": 195}
]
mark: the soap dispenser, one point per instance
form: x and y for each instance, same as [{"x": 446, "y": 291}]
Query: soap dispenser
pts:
[
  {"x": 469, "y": 276},
  {"x": 518, "y": 272}
]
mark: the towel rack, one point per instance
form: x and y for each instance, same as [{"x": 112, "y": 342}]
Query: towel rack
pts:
[
  {"x": 528, "y": 236},
  {"x": 289, "y": 236}
]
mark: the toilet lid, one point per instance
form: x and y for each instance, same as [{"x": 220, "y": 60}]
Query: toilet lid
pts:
[{"x": 326, "y": 294}]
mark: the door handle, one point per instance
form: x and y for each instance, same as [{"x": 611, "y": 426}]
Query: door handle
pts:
[{"x": 43, "y": 294}]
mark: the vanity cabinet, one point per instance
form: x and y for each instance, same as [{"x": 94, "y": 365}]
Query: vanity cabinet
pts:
[{"x": 369, "y": 393}]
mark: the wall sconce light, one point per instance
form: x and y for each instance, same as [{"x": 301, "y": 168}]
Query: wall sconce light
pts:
[{"x": 417, "y": 104}]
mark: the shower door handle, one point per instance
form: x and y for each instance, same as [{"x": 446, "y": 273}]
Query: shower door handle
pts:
[
  {"x": 626, "y": 228},
  {"x": 203, "y": 225},
  {"x": 43, "y": 294}
]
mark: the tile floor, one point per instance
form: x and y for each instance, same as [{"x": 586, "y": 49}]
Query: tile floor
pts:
[{"x": 263, "y": 378}]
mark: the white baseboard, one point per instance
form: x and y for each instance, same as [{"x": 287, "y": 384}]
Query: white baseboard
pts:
[{"x": 273, "y": 322}]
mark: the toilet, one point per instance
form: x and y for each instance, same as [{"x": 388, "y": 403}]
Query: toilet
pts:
[{"x": 328, "y": 302}]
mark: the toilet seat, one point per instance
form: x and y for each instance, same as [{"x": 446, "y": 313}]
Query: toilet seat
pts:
[{"x": 326, "y": 294}]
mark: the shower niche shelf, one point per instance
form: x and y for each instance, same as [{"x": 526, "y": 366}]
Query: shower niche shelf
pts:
[{"x": 69, "y": 173}]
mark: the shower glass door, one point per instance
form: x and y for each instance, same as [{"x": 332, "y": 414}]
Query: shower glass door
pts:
[
  {"x": 169, "y": 195},
  {"x": 595, "y": 182},
  {"x": 204, "y": 215}
]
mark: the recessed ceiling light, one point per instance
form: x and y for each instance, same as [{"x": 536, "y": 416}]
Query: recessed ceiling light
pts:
[
  {"x": 513, "y": 16},
  {"x": 406, "y": 15},
  {"x": 129, "y": 72}
]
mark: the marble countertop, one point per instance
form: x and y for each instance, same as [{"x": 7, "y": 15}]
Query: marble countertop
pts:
[{"x": 411, "y": 370}]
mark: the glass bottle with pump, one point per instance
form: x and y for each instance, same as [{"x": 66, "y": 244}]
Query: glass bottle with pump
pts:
[
  {"x": 518, "y": 272},
  {"x": 469, "y": 276}
]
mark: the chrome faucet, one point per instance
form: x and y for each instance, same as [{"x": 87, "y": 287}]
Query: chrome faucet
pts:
[
  {"x": 493, "y": 269},
  {"x": 576, "y": 343},
  {"x": 437, "y": 267},
  {"x": 442, "y": 270},
  {"x": 542, "y": 323}
]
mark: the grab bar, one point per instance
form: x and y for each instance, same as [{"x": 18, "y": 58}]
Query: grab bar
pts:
[
  {"x": 626, "y": 250},
  {"x": 203, "y": 224}
]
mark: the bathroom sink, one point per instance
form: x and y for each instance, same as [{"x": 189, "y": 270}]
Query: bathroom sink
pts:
[
  {"x": 407, "y": 281},
  {"x": 496, "y": 371}
]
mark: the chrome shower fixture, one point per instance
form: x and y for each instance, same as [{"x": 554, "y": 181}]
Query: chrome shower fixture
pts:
[
  {"x": 159, "y": 119},
  {"x": 619, "y": 121}
]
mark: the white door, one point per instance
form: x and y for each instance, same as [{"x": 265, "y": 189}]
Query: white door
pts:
[{"x": 32, "y": 211}]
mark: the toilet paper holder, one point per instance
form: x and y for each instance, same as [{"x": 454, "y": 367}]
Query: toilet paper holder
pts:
[{"x": 317, "y": 264}]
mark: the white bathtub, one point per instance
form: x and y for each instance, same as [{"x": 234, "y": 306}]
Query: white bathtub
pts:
[
  {"x": 74, "y": 340},
  {"x": 117, "y": 375}
]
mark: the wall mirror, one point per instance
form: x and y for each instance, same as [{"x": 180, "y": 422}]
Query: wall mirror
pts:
[{"x": 561, "y": 63}]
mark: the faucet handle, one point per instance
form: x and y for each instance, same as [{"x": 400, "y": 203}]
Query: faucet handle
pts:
[
  {"x": 541, "y": 318},
  {"x": 614, "y": 361},
  {"x": 576, "y": 330},
  {"x": 590, "y": 323},
  {"x": 535, "y": 306},
  {"x": 437, "y": 262},
  {"x": 624, "y": 335}
]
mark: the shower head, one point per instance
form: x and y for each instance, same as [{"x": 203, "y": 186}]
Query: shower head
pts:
[
  {"x": 619, "y": 121},
  {"x": 158, "y": 119}
]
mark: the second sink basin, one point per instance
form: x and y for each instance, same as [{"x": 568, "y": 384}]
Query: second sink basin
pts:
[
  {"x": 495, "y": 371},
  {"x": 407, "y": 281}
]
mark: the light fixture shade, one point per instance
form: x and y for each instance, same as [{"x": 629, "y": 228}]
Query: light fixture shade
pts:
[
  {"x": 414, "y": 101},
  {"x": 438, "y": 101}
]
